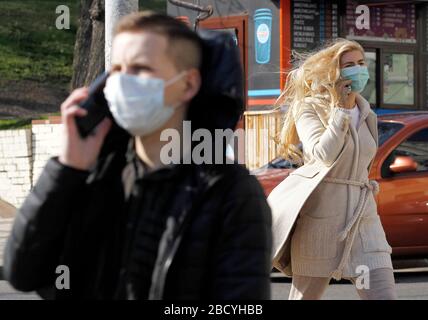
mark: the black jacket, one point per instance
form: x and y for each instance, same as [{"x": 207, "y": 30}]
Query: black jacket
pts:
[{"x": 217, "y": 244}]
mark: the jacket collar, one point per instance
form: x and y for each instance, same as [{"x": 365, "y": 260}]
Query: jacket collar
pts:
[
  {"x": 140, "y": 171},
  {"x": 321, "y": 104},
  {"x": 368, "y": 115},
  {"x": 364, "y": 106}
]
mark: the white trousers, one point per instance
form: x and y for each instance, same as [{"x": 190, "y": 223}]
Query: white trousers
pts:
[{"x": 381, "y": 287}]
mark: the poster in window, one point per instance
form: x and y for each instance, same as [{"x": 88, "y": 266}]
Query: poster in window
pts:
[
  {"x": 314, "y": 23},
  {"x": 388, "y": 23}
]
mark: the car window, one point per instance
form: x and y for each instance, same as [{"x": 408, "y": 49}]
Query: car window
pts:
[
  {"x": 387, "y": 130},
  {"x": 416, "y": 146}
]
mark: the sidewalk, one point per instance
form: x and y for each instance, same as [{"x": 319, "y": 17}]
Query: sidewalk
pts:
[
  {"x": 7, "y": 214},
  {"x": 5, "y": 227},
  {"x": 6, "y": 210}
]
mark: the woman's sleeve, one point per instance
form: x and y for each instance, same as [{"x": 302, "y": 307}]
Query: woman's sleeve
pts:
[{"x": 324, "y": 144}]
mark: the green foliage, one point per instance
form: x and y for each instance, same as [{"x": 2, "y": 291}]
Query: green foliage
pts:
[
  {"x": 15, "y": 124},
  {"x": 21, "y": 123},
  {"x": 155, "y": 5},
  {"x": 31, "y": 47}
]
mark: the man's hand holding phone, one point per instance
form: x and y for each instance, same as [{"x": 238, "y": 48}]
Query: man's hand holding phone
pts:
[{"x": 77, "y": 152}]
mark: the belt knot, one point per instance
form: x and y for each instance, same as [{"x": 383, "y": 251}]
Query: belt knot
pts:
[{"x": 372, "y": 185}]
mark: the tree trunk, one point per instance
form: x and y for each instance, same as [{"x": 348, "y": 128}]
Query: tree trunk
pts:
[
  {"x": 114, "y": 11},
  {"x": 89, "y": 48}
]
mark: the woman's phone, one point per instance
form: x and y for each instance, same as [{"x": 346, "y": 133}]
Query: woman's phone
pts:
[{"x": 96, "y": 105}]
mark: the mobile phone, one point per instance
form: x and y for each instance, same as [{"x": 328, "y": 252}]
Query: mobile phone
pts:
[{"x": 96, "y": 105}]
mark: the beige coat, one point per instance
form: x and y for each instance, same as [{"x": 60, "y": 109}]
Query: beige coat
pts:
[{"x": 325, "y": 221}]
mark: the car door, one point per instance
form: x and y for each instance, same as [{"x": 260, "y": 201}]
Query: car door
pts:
[{"x": 403, "y": 200}]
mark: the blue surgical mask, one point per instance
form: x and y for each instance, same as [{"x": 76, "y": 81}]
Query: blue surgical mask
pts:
[{"x": 359, "y": 76}]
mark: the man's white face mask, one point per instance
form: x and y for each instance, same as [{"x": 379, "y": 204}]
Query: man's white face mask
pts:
[{"x": 137, "y": 104}]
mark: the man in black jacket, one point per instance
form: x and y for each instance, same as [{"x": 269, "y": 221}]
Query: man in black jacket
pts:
[{"x": 125, "y": 224}]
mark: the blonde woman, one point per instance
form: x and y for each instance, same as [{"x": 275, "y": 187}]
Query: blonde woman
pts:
[{"x": 338, "y": 233}]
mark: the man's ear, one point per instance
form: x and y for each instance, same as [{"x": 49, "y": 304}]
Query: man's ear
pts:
[{"x": 193, "y": 84}]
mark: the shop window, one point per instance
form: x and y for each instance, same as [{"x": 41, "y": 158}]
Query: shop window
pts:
[
  {"x": 387, "y": 130},
  {"x": 237, "y": 27},
  {"x": 398, "y": 79},
  {"x": 369, "y": 92},
  {"x": 233, "y": 32}
]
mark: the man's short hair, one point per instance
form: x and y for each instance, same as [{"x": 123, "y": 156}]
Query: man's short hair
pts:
[{"x": 184, "y": 45}]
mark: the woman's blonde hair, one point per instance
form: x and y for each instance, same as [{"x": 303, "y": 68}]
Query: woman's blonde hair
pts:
[{"x": 316, "y": 73}]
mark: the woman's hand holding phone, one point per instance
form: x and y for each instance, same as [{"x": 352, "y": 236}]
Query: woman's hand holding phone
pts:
[
  {"x": 77, "y": 152},
  {"x": 344, "y": 89}
]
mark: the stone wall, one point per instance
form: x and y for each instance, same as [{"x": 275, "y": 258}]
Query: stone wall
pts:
[
  {"x": 46, "y": 140},
  {"x": 15, "y": 165},
  {"x": 23, "y": 154}
]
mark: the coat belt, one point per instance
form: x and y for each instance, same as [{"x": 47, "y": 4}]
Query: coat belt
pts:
[{"x": 351, "y": 228}]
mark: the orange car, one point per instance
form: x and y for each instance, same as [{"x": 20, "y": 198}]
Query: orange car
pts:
[{"x": 401, "y": 168}]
